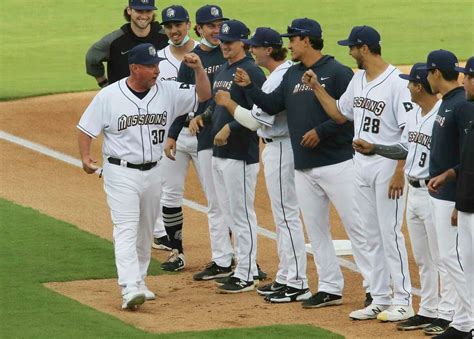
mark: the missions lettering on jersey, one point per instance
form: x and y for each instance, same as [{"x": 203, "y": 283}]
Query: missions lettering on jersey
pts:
[
  {"x": 420, "y": 138},
  {"x": 222, "y": 84},
  {"x": 440, "y": 120},
  {"x": 212, "y": 69},
  {"x": 126, "y": 121},
  {"x": 302, "y": 88},
  {"x": 375, "y": 107}
]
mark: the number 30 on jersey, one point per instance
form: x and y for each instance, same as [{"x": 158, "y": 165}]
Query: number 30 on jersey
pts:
[{"x": 158, "y": 136}]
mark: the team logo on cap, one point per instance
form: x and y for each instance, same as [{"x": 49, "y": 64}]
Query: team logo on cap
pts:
[
  {"x": 152, "y": 51},
  {"x": 225, "y": 28},
  {"x": 170, "y": 12},
  {"x": 145, "y": 2},
  {"x": 358, "y": 40},
  {"x": 214, "y": 11}
]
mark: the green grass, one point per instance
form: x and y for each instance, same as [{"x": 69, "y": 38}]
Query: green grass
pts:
[
  {"x": 43, "y": 42},
  {"x": 35, "y": 249}
]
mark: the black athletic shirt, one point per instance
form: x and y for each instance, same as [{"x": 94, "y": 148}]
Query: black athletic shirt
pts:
[{"x": 305, "y": 112}]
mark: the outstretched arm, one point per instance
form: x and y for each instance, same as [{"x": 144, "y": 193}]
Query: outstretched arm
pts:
[
  {"x": 242, "y": 115},
  {"x": 203, "y": 86}
]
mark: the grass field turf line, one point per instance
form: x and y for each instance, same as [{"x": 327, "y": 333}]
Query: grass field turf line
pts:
[
  {"x": 35, "y": 249},
  {"x": 43, "y": 43}
]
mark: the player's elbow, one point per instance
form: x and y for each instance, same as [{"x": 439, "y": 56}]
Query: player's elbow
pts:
[{"x": 339, "y": 119}]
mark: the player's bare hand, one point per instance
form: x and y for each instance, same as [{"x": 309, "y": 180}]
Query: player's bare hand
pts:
[
  {"x": 88, "y": 165},
  {"x": 362, "y": 146},
  {"x": 310, "y": 79},
  {"x": 310, "y": 139},
  {"x": 222, "y": 97},
  {"x": 454, "y": 217},
  {"x": 242, "y": 78},
  {"x": 437, "y": 182},
  {"x": 170, "y": 149},
  {"x": 195, "y": 125},
  {"x": 221, "y": 137},
  {"x": 192, "y": 60},
  {"x": 395, "y": 188}
]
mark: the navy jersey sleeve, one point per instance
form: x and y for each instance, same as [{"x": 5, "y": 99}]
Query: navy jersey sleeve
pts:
[
  {"x": 464, "y": 115},
  {"x": 271, "y": 103},
  {"x": 330, "y": 127}
]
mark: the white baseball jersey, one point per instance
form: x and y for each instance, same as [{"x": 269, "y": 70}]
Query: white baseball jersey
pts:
[
  {"x": 169, "y": 68},
  {"x": 272, "y": 125},
  {"x": 378, "y": 108},
  {"x": 134, "y": 129},
  {"x": 416, "y": 139}
]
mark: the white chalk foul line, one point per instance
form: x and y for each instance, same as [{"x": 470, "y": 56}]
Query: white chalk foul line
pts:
[{"x": 189, "y": 203}]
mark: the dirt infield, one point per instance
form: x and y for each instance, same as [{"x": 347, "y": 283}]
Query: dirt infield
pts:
[{"x": 65, "y": 192}]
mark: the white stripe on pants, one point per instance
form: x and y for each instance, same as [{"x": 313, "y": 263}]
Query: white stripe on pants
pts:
[
  {"x": 235, "y": 182},
  {"x": 436, "y": 298},
  {"x": 466, "y": 244},
  {"x": 219, "y": 222},
  {"x": 315, "y": 187},
  {"x": 448, "y": 243},
  {"x": 280, "y": 180},
  {"x": 133, "y": 197},
  {"x": 382, "y": 223}
]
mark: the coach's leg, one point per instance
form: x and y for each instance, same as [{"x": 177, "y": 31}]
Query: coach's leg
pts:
[{"x": 466, "y": 244}]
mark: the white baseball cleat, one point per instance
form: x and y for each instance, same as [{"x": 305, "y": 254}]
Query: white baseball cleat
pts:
[
  {"x": 132, "y": 300},
  {"x": 396, "y": 313},
  {"x": 149, "y": 295},
  {"x": 370, "y": 312}
]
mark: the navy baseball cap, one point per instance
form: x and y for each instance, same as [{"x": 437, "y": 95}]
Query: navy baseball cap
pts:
[
  {"x": 233, "y": 30},
  {"x": 143, "y": 54},
  {"x": 174, "y": 13},
  {"x": 304, "y": 27},
  {"x": 362, "y": 35},
  {"x": 417, "y": 74},
  {"x": 264, "y": 36},
  {"x": 469, "y": 69},
  {"x": 209, "y": 13},
  {"x": 147, "y": 5},
  {"x": 441, "y": 59}
]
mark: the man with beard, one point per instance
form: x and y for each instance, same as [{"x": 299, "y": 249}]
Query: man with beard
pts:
[{"x": 114, "y": 47}]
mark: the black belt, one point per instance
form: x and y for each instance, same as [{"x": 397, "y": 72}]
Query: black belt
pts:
[
  {"x": 267, "y": 140},
  {"x": 417, "y": 183},
  {"x": 142, "y": 167}
]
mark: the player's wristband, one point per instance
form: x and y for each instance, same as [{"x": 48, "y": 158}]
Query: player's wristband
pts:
[{"x": 103, "y": 83}]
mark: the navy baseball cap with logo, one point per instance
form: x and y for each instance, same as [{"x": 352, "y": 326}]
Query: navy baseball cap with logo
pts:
[
  {"x": 146, "y": 5},
  {"x": 417, "y": 74},
  {"x": 304, "y": 27},
  {"x": 442, "y": 60},
  {"x": 469, "y": 69},
  {"x": 143, "y": 54},
  {"x": 362, "y": 35},
  {"x": 264, "y": 37},
  {"x": 174, "y": 13},
  {"x": 209, "y": 13},
  {"x": 233, "y": 30}
]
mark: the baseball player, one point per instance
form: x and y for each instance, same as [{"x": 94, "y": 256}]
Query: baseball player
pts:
[
  {"x": 235, "y": 158},
  {"x": 290, "y": 283},
  {"x": 448, "y": 135},
  {"x": 377, "y": 100},
  {"x": 465, "y": 190},
  {"x": 322, "y": 154},
  {"x": 436, "y": 304},
  {"x": 175, "y": 20},
  {"x": 135, "y": 114},
  {"x": 113, "y": 48}
]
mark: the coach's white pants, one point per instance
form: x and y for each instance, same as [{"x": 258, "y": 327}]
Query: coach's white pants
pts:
[
  {"x": 219, "y": 222},
  {"x": 235, "y": 182},
  {"x": 134, "y": 200},
  {"x": 382, "y": 220},
  {"x": 316, "y": 187},
  {"x": 448, "y": 242},
  {"x": 174, "y": 174},
  {"x": 280, "y": 179},
  {"x": 437, "y": 299},
  {"x": 466, "y": 244}
]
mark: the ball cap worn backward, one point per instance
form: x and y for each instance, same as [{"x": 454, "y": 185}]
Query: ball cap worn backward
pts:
[
  {"x": 209, "y": 13},
  {"x": 469, "y": 69},
  {"x": 362, "y": 35},
  {"x": 174, "y": 13},
  {"x": 441, "y": 59},
  {"x": 233, "y": 30},
  {"x": 417, "y": 74},
  {"x": 143, "y": 54},
  {"x": 304, "y": 27},
  {"x": 147, "y": 5},
  {"x": 264, "y": 37}
]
